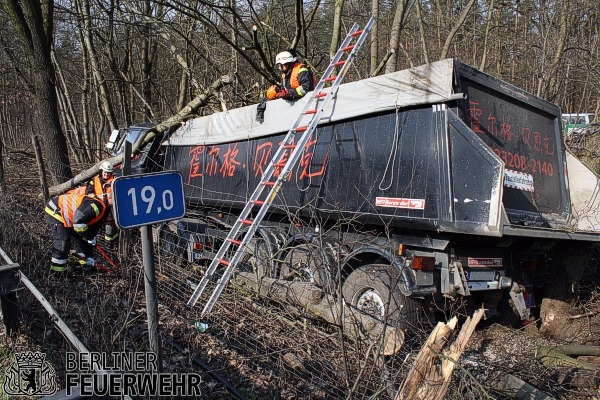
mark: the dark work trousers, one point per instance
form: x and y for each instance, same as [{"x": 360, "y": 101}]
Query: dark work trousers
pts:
[{"x": 63, "y": 238}]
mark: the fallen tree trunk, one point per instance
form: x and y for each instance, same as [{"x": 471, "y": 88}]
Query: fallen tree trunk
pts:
[
  {"x": 562, "y": 356},
  {"x": 432, "y": 369},
  {"x": 193, "y": 106},
  {"x": 356, "y": 325}
]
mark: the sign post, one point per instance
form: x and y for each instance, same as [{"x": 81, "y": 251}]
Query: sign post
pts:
[{"x": 140, "y": 201}]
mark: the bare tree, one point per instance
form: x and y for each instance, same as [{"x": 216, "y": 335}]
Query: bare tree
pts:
[
  {"x": 33, "y": 22},
  {"x": 402, "y": 9},
  {"x": 103, "y": 91},
  {"x": 374, "y": 37},
  {"x": 337, "y": 28},
  {"x": 455, "y": 28}
]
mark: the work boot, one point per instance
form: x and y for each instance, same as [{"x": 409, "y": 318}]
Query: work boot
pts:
[{"x": 57, "y": 268}]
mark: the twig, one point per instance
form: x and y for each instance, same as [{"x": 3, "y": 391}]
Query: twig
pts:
[{"x": 587, "y": 314}]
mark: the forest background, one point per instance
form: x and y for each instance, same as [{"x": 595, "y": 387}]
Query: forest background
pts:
[{"x": 72, "y": 71}]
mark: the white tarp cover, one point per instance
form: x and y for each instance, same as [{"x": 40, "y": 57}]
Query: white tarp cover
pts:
[
  {"x": 585, "y": 195},
  {"x": 426, "y": 84}
]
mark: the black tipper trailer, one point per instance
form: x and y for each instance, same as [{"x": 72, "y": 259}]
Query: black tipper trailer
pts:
[
  {"x": 441, "y": 172},
  {"x": 423, "y": 152}
]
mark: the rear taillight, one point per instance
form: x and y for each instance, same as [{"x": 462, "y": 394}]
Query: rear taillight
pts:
[
  {"x": 423, "y": 263},
  {"x": 198, "y": 246}
]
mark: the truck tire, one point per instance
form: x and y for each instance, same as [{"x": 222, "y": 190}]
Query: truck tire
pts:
[
  {"x": 306, "y": 262},
  {"x": 259, "y": 256},
  {"x": 372, "y": 289}
]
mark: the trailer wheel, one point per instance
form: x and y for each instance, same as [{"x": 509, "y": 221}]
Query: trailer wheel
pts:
[
  {"x": 306, "y": 262},
  {"x": 372, "y": 289},
  {"x": 168, "y": 242},
  {"x": 258, "y": 256}
]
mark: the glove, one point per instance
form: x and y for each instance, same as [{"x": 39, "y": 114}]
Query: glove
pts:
[
  {"x": 283, "y": 94},
  {"x": 260, "y": 112},
  {"x": 92, "y": 242}
]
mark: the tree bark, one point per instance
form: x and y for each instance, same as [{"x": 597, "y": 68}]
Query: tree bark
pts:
[
  {"x": 374, "y": 37},
  {"x": 104, "y": 93},
  {"x": 337, "y": 28},
  {"x": 561, "y": 292},
  {"x": 564, "y": 31},
  {"x": 561, "y": 355},
  {"x": 488, "y": 25},
  {"x": 422, "y": 33}
]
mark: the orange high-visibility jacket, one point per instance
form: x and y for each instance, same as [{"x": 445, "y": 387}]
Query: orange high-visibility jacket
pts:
[
  {"x": 101, "y": 190},
  {"x": 76, "y": 210}
]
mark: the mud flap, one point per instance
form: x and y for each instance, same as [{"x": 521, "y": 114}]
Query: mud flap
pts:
[{"x": 518, "y": 299}]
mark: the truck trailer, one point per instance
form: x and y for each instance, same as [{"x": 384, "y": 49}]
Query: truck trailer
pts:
[{"x": 420, "y": 189}]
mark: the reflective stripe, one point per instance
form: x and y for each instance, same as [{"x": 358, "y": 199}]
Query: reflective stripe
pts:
[
  {"x": 55, "y": 214},
  {"x": 294, "y": 82},
  {"x": 58, "y": 260},
  {"x": 70, "y": 202},
  {"x": 67, "y": 212},
  {"x": 80, "y": 227},
  {"x": 57, "y": 268},
  {"x": 103, "y": 191}
]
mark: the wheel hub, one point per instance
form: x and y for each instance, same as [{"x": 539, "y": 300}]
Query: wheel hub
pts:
[
  {"x": 370, "y": 302},
  {"x": 303, "y": 272}
]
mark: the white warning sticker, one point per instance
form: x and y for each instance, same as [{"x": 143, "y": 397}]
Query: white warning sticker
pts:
[
  {"x": 484, "y": 262},
  {"x": 518, "y": 180},
  {"x": 395, "y": 202}
]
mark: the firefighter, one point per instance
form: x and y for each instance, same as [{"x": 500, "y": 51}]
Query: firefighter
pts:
[
  {"x": 101, "y": 187},
  {"x": 75, "y": 218},
  {"x": 296, "y": 80}
]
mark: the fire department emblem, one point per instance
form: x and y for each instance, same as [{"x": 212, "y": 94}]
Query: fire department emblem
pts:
[{"x": 30, "y": 375}]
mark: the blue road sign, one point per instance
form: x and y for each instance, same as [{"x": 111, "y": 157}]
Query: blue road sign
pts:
[{"x": 148, "y": 198}]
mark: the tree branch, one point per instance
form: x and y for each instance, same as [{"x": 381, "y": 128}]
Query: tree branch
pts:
[{"x": 148, "y": 137}]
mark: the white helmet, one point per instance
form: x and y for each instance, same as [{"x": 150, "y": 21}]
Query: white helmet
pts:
[
  {"x": 106, "y": 166},
  {"x": 284, "y": 57}
]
